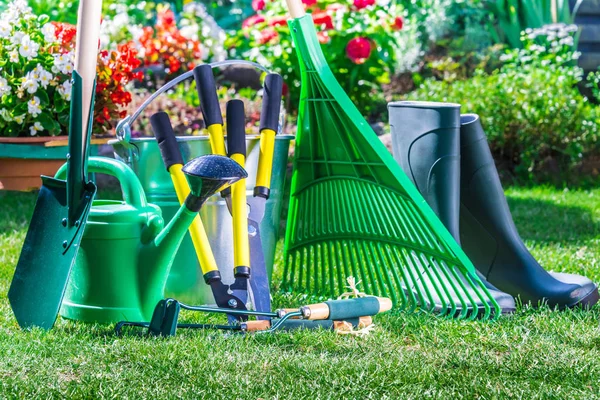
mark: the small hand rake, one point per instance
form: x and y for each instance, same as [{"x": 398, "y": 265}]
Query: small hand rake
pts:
[{"x": 354, "y": 212}]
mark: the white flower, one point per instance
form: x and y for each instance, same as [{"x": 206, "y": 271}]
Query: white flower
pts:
[
  {"x": 48, "y": 31},
  {"x": 30, "y": 83},
  {"x": 16, "y": 38},
  {"x": 29, "y": 48},
  {"x": 45, "y": 78},
  {"x": 5, "y": 115},
  {"x": 14, "y": 56},
  {"x": 35, "y": 128},
  {"x": 19, "y": 119},
  {"x": 65, "y": 90},
  {"x": 4, "y": 87},
  {"x": 5, "y": 29},
  {"x": 33, "y": 106},
  {"x": 63, "y": 63}
]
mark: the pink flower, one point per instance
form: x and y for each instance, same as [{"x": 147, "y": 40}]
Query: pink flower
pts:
[
  {"x": 258, "y": 5},
  {"x": 253, "y": 20},
  {"x": 308, "y": 3},
  {"x": 358, "y": 50},
  {"x": 360, "y": 4},
  {"x": 267, "y": 35}
]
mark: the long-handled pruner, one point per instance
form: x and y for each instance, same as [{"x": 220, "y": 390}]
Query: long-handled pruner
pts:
[
  {"x": 236, "y": 149},
  {"x": 273, "y": 86},
  {"x": 269, "y": 124},
  {"x": 330, "y": 314},
  {"x": 226, "y": 296}
]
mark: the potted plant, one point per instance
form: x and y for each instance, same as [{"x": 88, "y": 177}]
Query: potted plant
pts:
[{"x": 36, "y": 63}]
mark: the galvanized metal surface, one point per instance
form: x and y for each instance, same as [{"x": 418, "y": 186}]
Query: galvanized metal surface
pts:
[{"x": 185, "y": 280}]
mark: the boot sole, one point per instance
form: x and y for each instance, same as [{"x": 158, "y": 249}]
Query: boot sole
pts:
[{"x": 588, "y": 301}]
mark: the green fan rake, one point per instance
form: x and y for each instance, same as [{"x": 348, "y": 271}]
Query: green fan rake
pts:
[{"x": 353, "y": 212}]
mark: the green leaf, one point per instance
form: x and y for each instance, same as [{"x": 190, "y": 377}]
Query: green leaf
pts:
[
  {"x": 46, "y": 120},
  {"x": 43, "y": 96}
]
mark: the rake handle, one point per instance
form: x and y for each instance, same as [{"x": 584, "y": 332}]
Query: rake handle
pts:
[{"x": 296, "y": 8}]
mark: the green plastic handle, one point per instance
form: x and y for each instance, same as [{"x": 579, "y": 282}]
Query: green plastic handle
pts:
[{"x": 133, "y": 193}]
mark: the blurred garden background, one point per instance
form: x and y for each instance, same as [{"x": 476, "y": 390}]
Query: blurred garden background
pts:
[{"x": 517, "y": 63}]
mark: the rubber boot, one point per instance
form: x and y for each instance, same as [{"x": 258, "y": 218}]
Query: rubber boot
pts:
[
  {"x": 426, "y": 144},
  {"x": 490, "y": 238}
]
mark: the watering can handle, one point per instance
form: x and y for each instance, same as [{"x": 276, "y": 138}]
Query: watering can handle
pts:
[
  {"x": 123, "y": 131},
  {"x": 133, "y": 192}
]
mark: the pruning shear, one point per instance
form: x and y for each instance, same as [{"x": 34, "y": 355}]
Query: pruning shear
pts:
[{"x": 273, "y": 86}]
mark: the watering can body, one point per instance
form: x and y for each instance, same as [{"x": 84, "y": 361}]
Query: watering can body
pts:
[{"x": 125, "y": 255}]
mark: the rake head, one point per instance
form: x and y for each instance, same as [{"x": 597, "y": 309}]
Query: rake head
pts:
[{"x": 353, "y": 212}]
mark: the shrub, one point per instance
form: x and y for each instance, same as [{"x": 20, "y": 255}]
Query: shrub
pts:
[
  {"x": 539, "y": 126},
  {"x": 363, "y": 42}
]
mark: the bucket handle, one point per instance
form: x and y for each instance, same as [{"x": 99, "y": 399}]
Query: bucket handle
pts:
[
  {"x": 133, "y": 193},
  {"x": 123, "y": 131}
]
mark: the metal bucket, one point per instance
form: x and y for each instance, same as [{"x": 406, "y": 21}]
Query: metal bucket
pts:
[{"x": 185, "y": 280}]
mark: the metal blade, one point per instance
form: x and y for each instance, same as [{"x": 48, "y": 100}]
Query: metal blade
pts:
[{"x": 260, "y": 292}]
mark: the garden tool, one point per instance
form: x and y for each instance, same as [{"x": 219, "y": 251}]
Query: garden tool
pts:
[
  {"x": 171, "y": 155},
  {"x": 211, "y": 113},
  {"x": 426, "y": 144},
  {"x": 62, "y": 208},
  {"x": 209, "y": 104},
  {"x": 354, "y": 212},
  {"x": 269, "y": 124},
  {"x": 330, "y": 314},
  {"x": 236, "y": 147},
  {"x": 126, "y": 254},
  {"x": 490, "y": 238},
  {"x": 273, "y": 88}
]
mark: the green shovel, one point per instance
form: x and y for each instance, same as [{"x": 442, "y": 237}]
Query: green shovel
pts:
[{"x": 62, "y": 207}]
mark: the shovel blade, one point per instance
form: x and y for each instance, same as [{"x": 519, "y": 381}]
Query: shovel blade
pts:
[{"x": 47, "y": 256}]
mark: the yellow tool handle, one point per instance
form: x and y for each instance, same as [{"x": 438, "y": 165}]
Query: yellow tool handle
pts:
[
  {"x": 206, "y": 258},
  {"x": 269, "y": 124},
  {"x": 217, "y": 139},
  {"x": 241, "y": 245},
  {"x": 265, "y": 164}
]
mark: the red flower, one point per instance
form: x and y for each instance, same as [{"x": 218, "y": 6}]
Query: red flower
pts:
[
  {"x": 360, "y": 4},
  {"x": 253, "y": 20},
  {"x": 308, "y": 3},
  {"x": 65, "y": 33},
  {"x": 398, "y": 24},
  {"x": 358, "y": 50},
  {"x": 278, "y": 21},
  {"x": 258, "y": 5},
  {"x": 267, "y": 35},
  {"x": 323, "y": 18}
]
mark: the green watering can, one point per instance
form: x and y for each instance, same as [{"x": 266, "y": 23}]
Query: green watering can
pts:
[{"x": 126, "y": 251}]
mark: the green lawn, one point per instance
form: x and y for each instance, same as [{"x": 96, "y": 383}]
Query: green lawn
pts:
[{"x": 533, "y": 354}]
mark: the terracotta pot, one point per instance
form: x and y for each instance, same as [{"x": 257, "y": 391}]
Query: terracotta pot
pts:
[{"x": 23, "y": 160}]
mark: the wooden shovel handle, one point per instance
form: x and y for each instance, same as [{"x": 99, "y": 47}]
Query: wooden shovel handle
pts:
[
  {"x": 86, "y": 52},
  {"x": 296, "y": 8}
]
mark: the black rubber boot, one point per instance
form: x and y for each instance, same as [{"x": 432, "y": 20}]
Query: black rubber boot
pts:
[
  {"x": 490, "y": 238},
  {"x": 426, "y": 144}
]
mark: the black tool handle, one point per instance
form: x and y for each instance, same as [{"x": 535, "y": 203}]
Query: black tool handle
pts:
[
  {"x": 236, "y": 128},
  {"x": 271, "y": 104},
  {"x": 207, "y": 92},
  {"x": 167, "y": 142}
]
